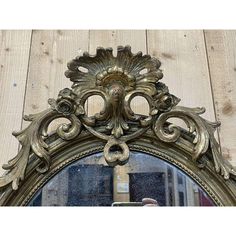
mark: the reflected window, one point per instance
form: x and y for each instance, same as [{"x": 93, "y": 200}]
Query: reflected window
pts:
[{"x": 91, "y": 182}]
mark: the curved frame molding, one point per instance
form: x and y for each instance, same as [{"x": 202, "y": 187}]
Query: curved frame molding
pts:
[{"x": 117, "y": 80}]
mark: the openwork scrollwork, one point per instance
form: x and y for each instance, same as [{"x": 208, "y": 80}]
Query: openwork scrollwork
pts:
[
  {"x": 203, "y": 131},
  {"x": 117, "y": 80},
  {"x": 32, "y": 140}
]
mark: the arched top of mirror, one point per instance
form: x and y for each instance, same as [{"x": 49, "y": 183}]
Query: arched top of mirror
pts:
[
  {"x": 91, "y": 182},
  {"x": 118, "y": 80}
]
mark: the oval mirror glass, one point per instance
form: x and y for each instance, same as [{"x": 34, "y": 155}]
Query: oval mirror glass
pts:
[{"x": 144, "y": 180}]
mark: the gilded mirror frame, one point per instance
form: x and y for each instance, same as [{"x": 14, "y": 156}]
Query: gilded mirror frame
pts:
[{"x": 117, "y": 80}]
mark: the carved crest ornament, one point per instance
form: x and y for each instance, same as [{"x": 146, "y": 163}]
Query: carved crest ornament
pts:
[{"x": 117, "y": 80}]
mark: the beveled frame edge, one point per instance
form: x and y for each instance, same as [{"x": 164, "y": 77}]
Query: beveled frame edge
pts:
[{"x": 220, "y": 191}]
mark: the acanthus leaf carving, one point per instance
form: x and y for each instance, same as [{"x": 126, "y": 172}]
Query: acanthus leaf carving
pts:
[
  {"x": 117, "y": 80},
  {"x": 32, "y": 140},
  {"x": 203, "y": 131}
]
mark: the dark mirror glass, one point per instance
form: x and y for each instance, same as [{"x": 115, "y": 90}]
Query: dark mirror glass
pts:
[{"x": 144, "y": 180}]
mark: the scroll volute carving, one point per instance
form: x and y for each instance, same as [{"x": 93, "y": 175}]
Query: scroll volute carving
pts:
[{"x": 117, "y": 80}]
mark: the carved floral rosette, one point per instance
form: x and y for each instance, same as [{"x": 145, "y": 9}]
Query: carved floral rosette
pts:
[{"x": 117, "y": 80}]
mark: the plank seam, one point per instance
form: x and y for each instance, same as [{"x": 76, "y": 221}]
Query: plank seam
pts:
[
  {"x": 26, "y": 82},
  {"x": 146, "y": 38},
  {"x": 209, "y": 74}
]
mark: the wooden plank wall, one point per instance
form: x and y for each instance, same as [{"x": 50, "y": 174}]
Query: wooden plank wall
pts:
[
  {"x": 14, "y": 59},
  {"x": 221, "y": 51},
  {"x": 199, "y": 67}
]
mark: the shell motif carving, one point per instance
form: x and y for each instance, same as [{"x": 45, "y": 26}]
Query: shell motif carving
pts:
[{"x": 117, "y": 80}]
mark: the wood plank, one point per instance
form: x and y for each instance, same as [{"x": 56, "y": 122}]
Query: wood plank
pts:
[
  {"x": 221, "y": 48},
  {"x": 113, "y": 38},
  {"x": 50, "y": 52},
  {"x": 184, "y": 64},
  {"x": 14, "y": 56}
]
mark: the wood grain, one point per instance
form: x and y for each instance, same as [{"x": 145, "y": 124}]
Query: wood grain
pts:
[
  {"x": 50, "y": 52},
  {"x": 221, "y": 49},
  {"x": 184, "y": 64},
  {"x": 14, "y": 56}
]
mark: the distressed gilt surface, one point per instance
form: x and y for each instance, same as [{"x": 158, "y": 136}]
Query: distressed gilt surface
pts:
[
  {"x": 114, "y": 38},
  {"x": 193, "y": 62},
  {"x": 117, "y": 79}
]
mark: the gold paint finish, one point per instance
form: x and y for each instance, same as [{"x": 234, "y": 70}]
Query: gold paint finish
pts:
[{"x": 117, "y": 129}]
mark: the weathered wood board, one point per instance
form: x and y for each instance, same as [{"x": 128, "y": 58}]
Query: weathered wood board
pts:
[
  {"x": 49, "y": 55},
  {"x": 14, "y": 57},
  {"x": 221, "y": 50}
]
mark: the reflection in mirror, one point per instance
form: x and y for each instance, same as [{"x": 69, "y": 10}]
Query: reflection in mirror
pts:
[{"x": 91, "y": 182}]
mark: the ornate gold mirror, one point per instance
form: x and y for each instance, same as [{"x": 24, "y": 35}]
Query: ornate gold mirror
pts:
[{"x": 116, "y": 155}]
